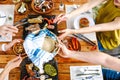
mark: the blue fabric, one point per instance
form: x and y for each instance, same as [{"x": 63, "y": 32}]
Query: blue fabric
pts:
[
  {"x": 33, "y": 48},
  {"x": 110, "y": 74},
  {"x": 100, "y": 46}
]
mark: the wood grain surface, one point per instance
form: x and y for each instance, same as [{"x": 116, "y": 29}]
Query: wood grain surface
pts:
[{"x": 63, "y": 64}]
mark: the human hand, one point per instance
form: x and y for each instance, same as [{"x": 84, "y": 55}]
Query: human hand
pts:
[
  {"x": 9, "y": 45},
  {"x": 60, "y": 18},
  {"x": 8, "y": 29},
  {"x": 64, "y": 51},
  {"x": 13, "y": 63},
  {"x": 65, "y": 32}
]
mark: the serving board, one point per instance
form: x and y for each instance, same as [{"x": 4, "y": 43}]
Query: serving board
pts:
[
  {"x": 24, "y": 72},
  {"x": 25, "y": 33}
]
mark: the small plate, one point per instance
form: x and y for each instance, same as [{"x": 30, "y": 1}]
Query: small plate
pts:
[
  {"x": 2, "y": 18},
  {"x": 77, "y": 19}
]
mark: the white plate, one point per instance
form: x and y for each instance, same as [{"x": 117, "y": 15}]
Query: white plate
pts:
[
  {"x": 77, "y": 19},
  {"x": 2, "y": 20}
]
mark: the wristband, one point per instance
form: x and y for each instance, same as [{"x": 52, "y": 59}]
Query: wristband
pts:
[{"x": 3, "y": 47}]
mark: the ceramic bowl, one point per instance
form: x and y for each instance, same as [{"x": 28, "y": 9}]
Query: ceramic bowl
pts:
[
  {"x": 43, "y": 7},
  {"x": 18, "y": 6},
  {"x": 18, "y": 49}
]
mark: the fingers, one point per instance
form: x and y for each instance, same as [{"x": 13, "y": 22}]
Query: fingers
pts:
[
  {"x": 8, "y": 29},
  {"x": 62, "y": 31},
  {"x": 60, "y": 15},
  {"x": 14, "y": 62},
  {"x": 11, "y": 29},
  {"x": 5, "y": 32},
  {"x": 9, "y": 45},
  {"x": 16, "y": 59},
  {"x": 63, "y": 47},
  {"x": 61, "y": 37},
  {"x": 15, "y": 41},
  {"x": 60, "y": 18}
]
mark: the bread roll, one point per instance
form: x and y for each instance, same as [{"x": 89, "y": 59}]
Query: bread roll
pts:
[
  {"x": 49, "y": 44},
  {"x": 36, "y": 20}
]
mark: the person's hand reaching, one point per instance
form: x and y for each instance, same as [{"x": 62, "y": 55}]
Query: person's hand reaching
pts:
[
  {"x": 65, "y": 33},
  {"x": 60, "y": 18},
  {"x": 64, "y": 52},
  {"x": 9, "y": 45},
  {"x": 13, "y": 63},
  {"x": 8, "y": 29}
]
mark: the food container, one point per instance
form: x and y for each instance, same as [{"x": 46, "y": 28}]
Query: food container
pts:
[
  {"x": 18, "y": 49},
  {"x": 21, "y": 8},
  {"x": 42, "y": 6},
  {"x": 72, "y": 43}
]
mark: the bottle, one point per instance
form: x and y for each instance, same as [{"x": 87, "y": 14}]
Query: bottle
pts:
[{"x": 61, "y": 6}]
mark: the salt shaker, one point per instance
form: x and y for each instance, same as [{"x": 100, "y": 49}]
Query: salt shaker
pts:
[{"x": 61, "y": 6}]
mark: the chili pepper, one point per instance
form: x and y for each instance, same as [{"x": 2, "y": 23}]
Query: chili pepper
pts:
[
  {"x": 73, "y": 43},
  {"x": 77, "y": 44},
  {"x": 70, "y": 47},
  {"x": 93, "y": 48},
  {"x": 49, "y": 21}
]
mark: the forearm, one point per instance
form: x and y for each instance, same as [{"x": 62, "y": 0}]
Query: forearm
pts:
[
  {"x": 97, "y": 58},
  {"x": 99, "y": 27},
  {"x": 92, "y": 57},
  {"x": 85, "y": 7},
  {"x": 4, "y": 73},
  {"x": 112, "y": 63}
]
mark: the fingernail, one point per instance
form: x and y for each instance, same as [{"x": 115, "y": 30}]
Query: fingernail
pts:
[
  {"x": 18, "y": 41},
  {"x": 14, "y": 34},
  {"x": 16, "y": 31}
]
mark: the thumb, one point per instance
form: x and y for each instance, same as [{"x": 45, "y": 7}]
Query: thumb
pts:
[
  {"x": 9, "y": 45},
  {"x": 61, "y": 45},
  {"x": 61, "y": 31}
]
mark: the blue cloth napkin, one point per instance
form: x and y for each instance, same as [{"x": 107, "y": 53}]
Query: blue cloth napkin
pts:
[{"x": 32, "y": 46}]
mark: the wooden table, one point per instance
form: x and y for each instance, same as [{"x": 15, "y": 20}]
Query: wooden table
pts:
[{"x": 63, "y": 64}]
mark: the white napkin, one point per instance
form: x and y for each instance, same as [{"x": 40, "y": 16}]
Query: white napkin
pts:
[{"x": 2, "y": 18}]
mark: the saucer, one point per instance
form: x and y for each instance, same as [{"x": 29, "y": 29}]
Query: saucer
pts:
[{"x": 77, "y": 20}]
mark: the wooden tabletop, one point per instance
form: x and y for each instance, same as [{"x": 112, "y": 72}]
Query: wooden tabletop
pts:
[{"x": 63, "y": 64}]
